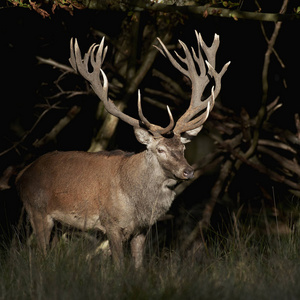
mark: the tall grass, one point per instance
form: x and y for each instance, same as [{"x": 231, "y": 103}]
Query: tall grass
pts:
[{"x": 242, "y": 265}]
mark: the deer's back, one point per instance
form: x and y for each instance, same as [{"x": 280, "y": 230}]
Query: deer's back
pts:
[{"x": 64, "y": 182}]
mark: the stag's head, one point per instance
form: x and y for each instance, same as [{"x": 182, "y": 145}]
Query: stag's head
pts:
[{"x": 165, "y": 144}]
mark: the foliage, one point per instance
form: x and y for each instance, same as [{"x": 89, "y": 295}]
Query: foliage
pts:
[
  {"x": 230, "y": 4},
  {"x": 67, "y": 5},
  {"x": 229, "y": 9}
]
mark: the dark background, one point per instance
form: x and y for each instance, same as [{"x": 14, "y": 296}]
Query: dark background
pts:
[{"x": 26, "y": 84}]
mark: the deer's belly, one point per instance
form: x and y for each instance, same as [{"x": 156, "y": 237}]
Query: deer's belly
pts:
[{"x": 78, "y": 221}]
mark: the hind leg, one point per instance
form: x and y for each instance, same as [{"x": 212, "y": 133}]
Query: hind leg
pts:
[
  {"x": 42, "y": 225},
  {"x": 137, "y": 250}
]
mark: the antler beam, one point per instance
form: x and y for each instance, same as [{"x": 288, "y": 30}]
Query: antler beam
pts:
[
  {"x": 189, "y": 120},
  {"x": 96, "y": 55},
  {"x": 198, "y": 110}
]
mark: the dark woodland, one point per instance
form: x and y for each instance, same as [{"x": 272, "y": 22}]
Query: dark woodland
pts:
[{"x": 246, "y": 158}]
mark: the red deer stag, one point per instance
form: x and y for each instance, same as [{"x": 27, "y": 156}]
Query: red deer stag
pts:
[{"x": 115, "y": 192}]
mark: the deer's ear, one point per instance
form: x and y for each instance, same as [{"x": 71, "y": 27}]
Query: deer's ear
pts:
[
  {"x": 189, "y": 135},
  {"x": 143, "y": 135}
]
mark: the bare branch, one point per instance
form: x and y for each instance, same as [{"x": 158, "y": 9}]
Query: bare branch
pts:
[
  {"x": 17, "y": 144},
  {"x": 204, "y": 10},
  {"x": 175, "y": 87},
  {"x": 55, "y": 64},
  {"x": 277, "y": 145},
  {"x": 297, "y": 124},
  {"x": 58, "y": 127},
  {"x": 261, "y": 115},
  {"x": 285, "y": 163}
]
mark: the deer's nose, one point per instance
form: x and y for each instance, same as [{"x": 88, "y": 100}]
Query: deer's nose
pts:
[{"x": 188, "y": 173}]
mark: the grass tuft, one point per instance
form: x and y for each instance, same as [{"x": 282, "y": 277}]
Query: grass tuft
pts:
[{"x": 242, "y": 265}]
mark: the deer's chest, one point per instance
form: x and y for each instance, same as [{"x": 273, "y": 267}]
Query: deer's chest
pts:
[{"x": 154, "y": 205}]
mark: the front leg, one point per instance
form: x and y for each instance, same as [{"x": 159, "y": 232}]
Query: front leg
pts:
[
  {"x": 116, "y": 247},
  {"x": 137, "y": 249}
]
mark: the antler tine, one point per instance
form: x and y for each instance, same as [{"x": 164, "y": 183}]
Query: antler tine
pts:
[
  {"x": 72, "y": 59},
  {"x": 217, "y": 76},
  {"x": 167, "y": 54},
  {"x": 199, "y": 60},
  {"x": 198, "y": 121},
  {"x": 100, "y": 55},
  {"x": 189, "y": 119},
  {"x": 210, "y": 52},
  {"x": 96, "y": 55},
  {"x": 96, "y": 59},
  {"x": 157, "y": 131}
]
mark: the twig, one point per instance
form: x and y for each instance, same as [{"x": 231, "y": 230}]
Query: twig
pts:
[
  {"x": 209, "y": 162},
  {"x": 5, "y": 178},
  {"x": 174, "y": 86},
  {"x": 272, "y": 107},
  {"x": 265, "y": 86},
  {"x": 208, "y": 210},
  {"x": 285, "y": 163},
  {"x": 297, "y": 124},
  {"x": 262, "y": 169},
  {"x": 278, "y": 145},
  {"x": 204, "y": 10},
  {"x": 58, "y": 127},
  {"x": 215, "y": 193},
  {"x": 282, "y": 134},
  {"x": 161, "y": 94},
  {"x": 245, "y": 127},
  {"x": 68, "y": 94},
  {"x": 261, "y": 115},
  {"x": 273, "y": 49},
  {"x": 155, "y": 103},
  {"x": 17, "y": 144},
  {"x": 55, "y": 64}
]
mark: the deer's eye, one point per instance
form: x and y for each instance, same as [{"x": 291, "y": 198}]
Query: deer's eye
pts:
[{"x": 160, "y": 150}]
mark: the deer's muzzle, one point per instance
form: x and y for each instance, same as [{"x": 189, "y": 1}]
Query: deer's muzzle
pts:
[{"x": 188, "y": 173}]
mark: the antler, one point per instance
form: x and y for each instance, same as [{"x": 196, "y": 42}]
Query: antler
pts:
[
  {"x": 95, "y": 56},
  {"x": 190, "y": 119}
]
